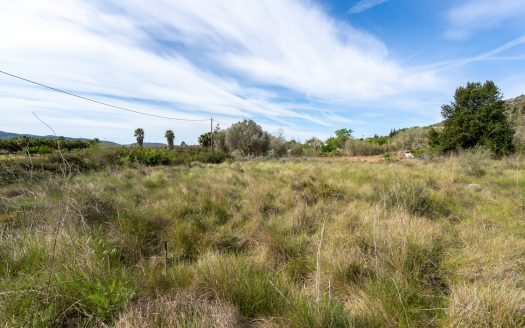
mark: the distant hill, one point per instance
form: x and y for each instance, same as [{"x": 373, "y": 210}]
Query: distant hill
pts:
[{"x": 10, "y": 135}]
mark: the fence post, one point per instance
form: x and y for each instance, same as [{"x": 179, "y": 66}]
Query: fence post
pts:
[{"x": 166, "y": 257}]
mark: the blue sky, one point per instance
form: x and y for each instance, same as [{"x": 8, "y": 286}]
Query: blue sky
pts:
[{"x": 305, "y": 68}]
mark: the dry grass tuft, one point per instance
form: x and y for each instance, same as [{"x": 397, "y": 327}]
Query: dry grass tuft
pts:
[
  {"x": 493, "y": 305},
  {"x": 181, "y": 310}
]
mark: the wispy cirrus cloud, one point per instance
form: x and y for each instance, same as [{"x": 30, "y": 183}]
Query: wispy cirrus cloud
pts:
[
  {"x": 475, "y": 16},
  {"x": 192, "y": 59},
  {"x": 485, "y": 56},
  {"x": 365, "y": 5}
]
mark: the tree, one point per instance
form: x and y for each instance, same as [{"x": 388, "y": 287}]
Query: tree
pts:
[
  {"x": 170, "y": 138},
  {"x": 94, "y": 142},
  {"x": 344, "y": 134},
  {"x": 476, "y": 117},
  {"x": 139, "y": 134},
  {"x": 278, "y": 144},
  {"x": 295, "y": 148},
  {"x": 205, "y": 139},
  {"x": 219, "y": 139},
  {"x": 215, "y": 139},
  {"x": 338, "y": 142},
  {"x": 248, "y": 138},
  {"x": 314, "y": 143}
]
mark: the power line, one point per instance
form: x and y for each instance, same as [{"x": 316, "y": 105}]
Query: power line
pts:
[{"x": 100, "y": 102}]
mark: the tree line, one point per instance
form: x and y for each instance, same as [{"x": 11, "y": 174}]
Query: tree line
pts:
[
  {"x": 475, "y": 118},
  {"x": 43, "y": 145}
]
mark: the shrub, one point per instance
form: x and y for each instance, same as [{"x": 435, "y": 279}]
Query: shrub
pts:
[
  {"x": 41, "y": 145},
  {"x": 474, "y": 161},
  {"x": 409, "y": 138},
  {"x": 354, "y": 147},
  {"x": 296, "y": 150},
  {"x": 162, "y": 156},
  {"x": 247, "y": 137},
  {"x": 43, "y": 149},
  {"x": 277, "y": 146},
  {"x": 102, "y": 297}
]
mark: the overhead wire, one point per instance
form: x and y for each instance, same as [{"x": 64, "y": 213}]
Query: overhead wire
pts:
[{"x": 101, "y": 102}]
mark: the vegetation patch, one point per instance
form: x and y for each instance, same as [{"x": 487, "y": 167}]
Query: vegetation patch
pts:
[{"x": 299, "y": 243}]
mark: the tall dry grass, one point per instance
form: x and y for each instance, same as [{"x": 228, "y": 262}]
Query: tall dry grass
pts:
[{"x": 267, "y": 243}]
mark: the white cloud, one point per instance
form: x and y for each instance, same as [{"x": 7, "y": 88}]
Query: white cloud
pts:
[
  {"x": 230, "y": 60},
  {"x": 485, "y": 56},
  {"x": 365, "y": 5},
  {"x": 478, "y": 15}
]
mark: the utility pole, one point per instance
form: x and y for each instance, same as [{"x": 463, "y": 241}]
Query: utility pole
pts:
[{"x": 211, "y": 133}]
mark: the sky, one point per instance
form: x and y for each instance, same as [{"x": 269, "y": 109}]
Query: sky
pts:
[{"x": 299, "y": 67}]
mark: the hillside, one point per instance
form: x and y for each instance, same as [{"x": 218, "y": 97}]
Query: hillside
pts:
[
  {"x": 516, "y": 104},
  {"x": 405, "y": 138},
  {"x": 516, "y": 113}
]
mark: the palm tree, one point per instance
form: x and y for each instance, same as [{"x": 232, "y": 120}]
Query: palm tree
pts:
[
  {"x": 170, "y": 137},
  {"x": 139, "y": 134}
]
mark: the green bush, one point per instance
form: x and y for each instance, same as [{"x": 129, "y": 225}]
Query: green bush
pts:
[
  {"x": 163, "y": 156},
  {"x": 43, "y": 149},
  {"x": 102, "y": 297},
  {"x": 34, "y": 144}
]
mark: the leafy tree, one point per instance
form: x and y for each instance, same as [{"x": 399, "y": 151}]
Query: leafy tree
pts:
[
  {"x": 139, "y": 134},
  {"x": 170, "y": 138},
  {"x": 247, "y": 137},
  {"x": 476, "y": 117},
  {"x": 219, "y": 140},
  {"x": 344, "y": 134},
  {"x": 278, "y": 145},
  {"x": 338, "y": 142},
  {"x": 205, "y": 139}
]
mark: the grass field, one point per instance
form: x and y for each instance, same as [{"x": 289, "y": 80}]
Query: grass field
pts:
[{"x": 317, "y": 243}]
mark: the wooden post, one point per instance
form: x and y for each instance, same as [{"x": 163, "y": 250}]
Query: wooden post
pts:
[
  {"x": 329, "y": 291},
  {"x": 166, "y": 258}
]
